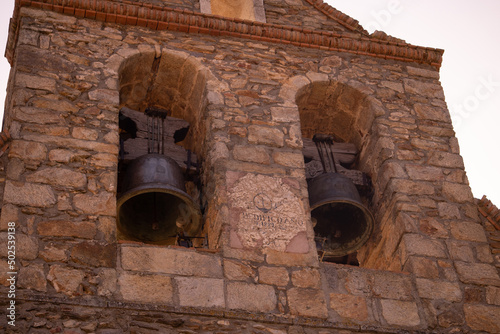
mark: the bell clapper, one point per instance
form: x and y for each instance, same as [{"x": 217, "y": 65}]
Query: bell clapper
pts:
[{"x": 155, "y": 226}]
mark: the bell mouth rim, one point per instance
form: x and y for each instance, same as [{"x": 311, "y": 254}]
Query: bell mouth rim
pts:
[
  {"x": 156, "y": 187},
  {"x": 370, "y": 226}
]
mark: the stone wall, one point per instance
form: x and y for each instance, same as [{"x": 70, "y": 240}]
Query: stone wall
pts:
[{"x": 428, "y": 266}]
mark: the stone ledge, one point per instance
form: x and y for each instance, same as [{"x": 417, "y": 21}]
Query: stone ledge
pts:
[
  {"x": 157, "y": 259},
  {"x": 231, "y": 315}
]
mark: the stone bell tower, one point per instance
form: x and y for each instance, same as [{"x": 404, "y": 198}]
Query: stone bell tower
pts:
[{"x": 234, "y": 96}]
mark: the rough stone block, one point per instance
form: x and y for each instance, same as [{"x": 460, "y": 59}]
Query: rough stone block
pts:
[
  {"x": 63, "y": 228},
  {"x": 26, "y": 246},
  {"x": 392, "y": 286},
  {"x": 146, "y": 288},
  {"x": 237, "y": 271},
  {"x": 460, "y": 251},
  {"x": 355, "y": 281},
  {"x": 284, "y": 114},
  {"x": 84, "y": 133},
  {"x": 291, "y": 259},
  {"x": 448, "y": 210},
  {"x": 47, "y": 61},
  {"x": 101, "y": 204},
  {"x": 433, "y": 227},
  {"x": 61, "y": 107},
  {"x": 200, "y": 292},
  {"x": 29, "y": 194},
  {"x": 28, "y": 37},
  {"x": 35, "y": 82},
  {"x": 349, "y": 306},
  {"x": 74, "y": 143},
  {"x": 9, "y": 213},
  {"x": 218, "y": 151},
  {"x": 307, "y": 302},
  {"x": 4, "y": 269},
  {"x": 429, "y": 112},
  {"x": 306, "y": 278},
  {"x": 428, "y": 145},
  {"x": 243, "y": 254},
  {"x": 473, "y": 294},
  {"x": 395, "y": 86},
  {"x": 289, "y": 159},
  {"x": 108, "y": 181},
  {"x": 457, "y": 192},
  {"x": 482, "y": 317},
  {"x": 294, "y": 137},
  {"x": 251, "y": 297},
  {"x": 32, "y": 277},
  {"x": 54, "y": 253},
  {"x": 493, "y": 295},
  {"x": 265, "y": 136},
  {"x": 273, "y": 276},
  {"x": 411, "y": 187},
  {"x": 27, "y": 150},
  {"x": 66, "y": 280},
  {"x": 255, "y": 168},
  {"x": 483, "y": 253},
  {"x": 42, "y": 117},
  {"x": 423, "y": 267},
  {"x": 432, "y": 289},
  {"x": 422, "y": 72},
  {"x": 415, "y": 244},
  {"x": 103, "y": 160},
  {"x": 170, "y": 261},
  {"x": 448, "y": 270},
  {"x": 59, "y": 176},
  {"x": 108, "y": 280},
  {"x": 426, "y": 89},
  {"x": 94, "y": 254},
  {"x": 388, "y": 171},
  {"x": 107, "y": 226},
  {"x": 445, "y": 159},
  {"x": 477, "y": 273},
  {"x": 105, "y": 95},
  {"x": 400, "y": 313},
  {"x": 252, "y": 154},
  {"x": 468, "y": 231},
  {"x": 449, "y": 314},
  {"x": 427, "y": 173},
  {"x": 61, "y": 155}
]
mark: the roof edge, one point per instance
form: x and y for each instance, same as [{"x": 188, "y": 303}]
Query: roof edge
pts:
[
  {"x": 338, "y": 16},
  {"x": 167, "y": 18}
]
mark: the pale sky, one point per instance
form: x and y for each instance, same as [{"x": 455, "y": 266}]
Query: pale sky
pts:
[{"x": 470, "y": 74}]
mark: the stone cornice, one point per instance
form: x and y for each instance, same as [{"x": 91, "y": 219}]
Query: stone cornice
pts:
[
  {"x": 490, "y": 212},
  {"x": 44, "y": 299},
  {"x": 165, "y": 18}
]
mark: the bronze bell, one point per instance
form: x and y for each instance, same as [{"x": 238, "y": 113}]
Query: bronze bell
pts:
[
  {"x": 342, "y": 223},
  {"x": 154, "y": 206}
]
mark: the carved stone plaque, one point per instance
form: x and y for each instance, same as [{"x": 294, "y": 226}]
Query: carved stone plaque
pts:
[{"x": 266, "y": 213}]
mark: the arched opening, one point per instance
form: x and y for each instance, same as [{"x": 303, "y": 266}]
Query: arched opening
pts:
[
  {"x": 337, "y": 109},
  {"x": 162, "y": 99},
  {"x": 336, "y": 122}
]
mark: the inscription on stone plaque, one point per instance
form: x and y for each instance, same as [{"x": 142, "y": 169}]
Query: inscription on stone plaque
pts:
[{"x": 269, "y": 214}]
